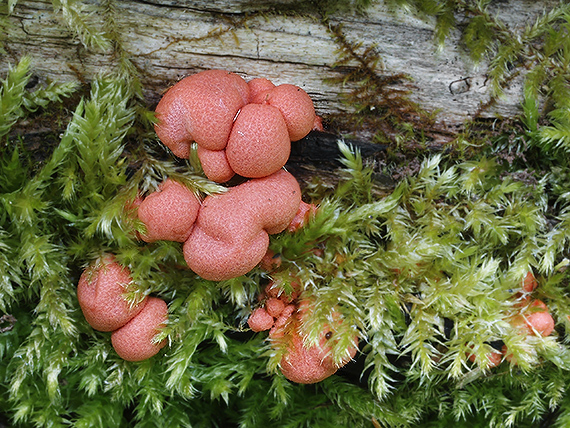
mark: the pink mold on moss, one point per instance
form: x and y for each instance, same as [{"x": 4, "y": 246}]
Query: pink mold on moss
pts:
[
  {"x": 200, "y": 108},
  {"x": 133, "y": 341},
  {"x": 101, "y": 291},
  {"x": 230, "y": 236},
  {"x": 311, "y": 364},
  {"x": 169, "y": 213},
  {"x": 259, "y": 143}
]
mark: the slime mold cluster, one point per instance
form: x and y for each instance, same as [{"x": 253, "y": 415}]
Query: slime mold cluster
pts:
[
  {"x": 283, "y": 314},
  {"x": 239, "y": 128},
  {"x": 100, "y": 293}
]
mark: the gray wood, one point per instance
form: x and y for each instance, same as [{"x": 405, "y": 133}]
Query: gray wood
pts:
[{"x": 169, "y": 39}]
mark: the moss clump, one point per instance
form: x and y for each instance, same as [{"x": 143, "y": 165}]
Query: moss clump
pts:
[{"x": 425, "y": 276}]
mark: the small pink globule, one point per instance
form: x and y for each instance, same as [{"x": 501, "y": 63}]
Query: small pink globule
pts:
[
  {"x": 260, "y": 320},
  {"x": 230, "y": 236},
  {"x": 200, "y": 108},
  {"x": 133, "y": 341},
  {"x": 493, "y": 358},
  {"x": 259, "y": 143},
  {"x": 169, "y": 213},
  {"x": 101, "y": 291},
  {"x": 274, "y": 306},
  {"x": 536, "y": 320},
  {"x": 296, "y": 107},
  {"x": 215, "y": 164}
]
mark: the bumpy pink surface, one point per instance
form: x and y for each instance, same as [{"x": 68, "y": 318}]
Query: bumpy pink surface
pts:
[
  {"x": 260, "y": 320},
  {"x": 100, "y": 293},
  {"x": 310, "y": 364},
  {"x": 217, "y": 260},
  {"x": 535, "y": 319},
  {"x": 258, "y": 89},
  {"x": 277, "y": 197},
  {"x": 169, "y": 213},
  {"x": 259, "y": 142},
  {"x": 200, "y": 108},
  {"x": 296, "y": 107},
  {"x": 215, "y": 165},
  {"x": 302, "y": 217},
  {"x": 274, "y": 306},
  {"x": 133, "y": 341},
  {"x": 540, "y": 321},
  {"x": 230, "y": 236},
  {"x": 529, "y": 283}
]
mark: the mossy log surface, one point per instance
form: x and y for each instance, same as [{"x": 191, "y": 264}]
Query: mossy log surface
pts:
[{"x": 285, "y": 42}]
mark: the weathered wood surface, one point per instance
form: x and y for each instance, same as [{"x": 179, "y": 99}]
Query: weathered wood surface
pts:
[{"x": 169, "y": 39}]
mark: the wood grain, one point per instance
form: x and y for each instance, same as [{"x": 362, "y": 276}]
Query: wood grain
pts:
[{"x": 167, "y": 40}]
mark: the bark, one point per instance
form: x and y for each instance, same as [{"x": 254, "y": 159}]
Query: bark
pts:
[{"x": 168, "y": 39}]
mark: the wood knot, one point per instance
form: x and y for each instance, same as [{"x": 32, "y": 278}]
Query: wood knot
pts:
[{"x": 460, "y": 86}]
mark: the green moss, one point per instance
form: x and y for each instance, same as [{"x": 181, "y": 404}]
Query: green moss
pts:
[{"x": 424, "y": 276}]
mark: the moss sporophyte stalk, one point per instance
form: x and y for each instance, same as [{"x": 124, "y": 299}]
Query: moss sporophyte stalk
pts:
[{"x": 444, "y": 297}]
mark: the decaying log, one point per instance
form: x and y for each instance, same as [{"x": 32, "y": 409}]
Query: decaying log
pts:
[
  {"x": 169, "y": 39},
  {"x": 318, "y": 156}
]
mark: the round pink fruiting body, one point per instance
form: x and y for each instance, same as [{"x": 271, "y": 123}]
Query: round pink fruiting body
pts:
[
  {"x": 541, "y": 321},
  {"x": 259, "y": 143},
  {"x": 217, "y": 260},
  {"x": 307, "y": 364},
  {"x": 276, "y": 200},
  {"x": 493, "y": 358},
  {"x": 260, "y": 320},
  {"x": 215, "y": 164},
  {"x": 258, "y": 89},
  {"x": 230, "y": 236},
  {"x": 200, "y": 108},
  {"x": 169, "y": 213},
  {"x": 296, "y": 107},
  {"x": 101, "y": 292},
  {"x": 537, "y": 320},
  {"x": 133, "y": 341},
  {"x": 529, "y": 283},
  {"x": 311, "y": 364},
  {"x": 274, "y": 306}
]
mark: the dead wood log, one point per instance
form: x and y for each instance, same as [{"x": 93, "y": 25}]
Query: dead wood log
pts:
[{"x": 167, "y": 39}]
